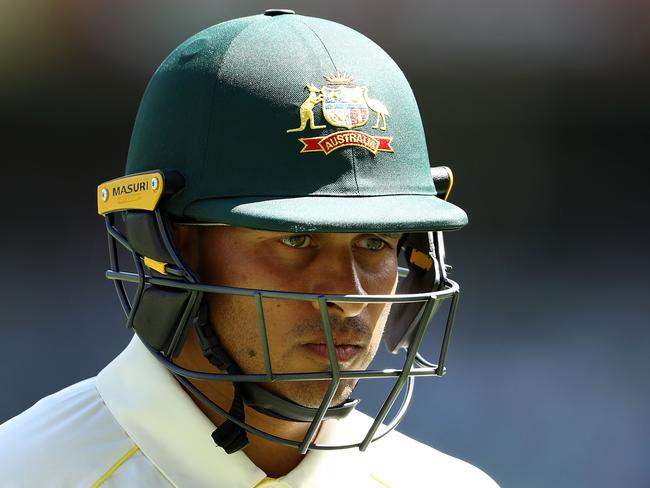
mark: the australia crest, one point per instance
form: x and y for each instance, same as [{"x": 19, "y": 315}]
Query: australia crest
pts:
[{"x": 345, "y": 105}]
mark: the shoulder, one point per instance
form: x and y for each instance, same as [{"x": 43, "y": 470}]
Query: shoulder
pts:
[
  {"x": 400, "y": 461},
  {"x": 413, "y": 463},
  {"x": 66, "y": 439},
  {"x": 53, "y": 417}
]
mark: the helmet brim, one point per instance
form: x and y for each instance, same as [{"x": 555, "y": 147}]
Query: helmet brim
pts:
[{"x": 385, "y": 213}]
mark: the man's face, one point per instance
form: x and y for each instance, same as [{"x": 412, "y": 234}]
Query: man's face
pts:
[{"x": 311, "y": 263}]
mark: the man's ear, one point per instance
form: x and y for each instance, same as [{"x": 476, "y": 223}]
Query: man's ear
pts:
[{"x": 186, "y": 238}]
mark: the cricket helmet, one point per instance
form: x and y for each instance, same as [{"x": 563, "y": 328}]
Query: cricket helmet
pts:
[{"x": 286, "y": 123}]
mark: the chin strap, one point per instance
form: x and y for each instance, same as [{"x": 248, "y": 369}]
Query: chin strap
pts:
[
  {"x": 229, "y": 436},
  {"x": 276, "y": 406}
]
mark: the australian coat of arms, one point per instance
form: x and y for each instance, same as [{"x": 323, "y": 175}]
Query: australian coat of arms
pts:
[{"x": 343, "y": 105}]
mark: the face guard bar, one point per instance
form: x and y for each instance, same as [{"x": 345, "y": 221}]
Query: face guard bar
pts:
[{"x": 168, "y": 301}]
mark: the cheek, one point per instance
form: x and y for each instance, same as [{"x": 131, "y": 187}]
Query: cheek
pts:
[
  {"x": 235, "y": 322},
  {"x": 380, "y": 316},
  {"x": 281, "y": 319},
  {"x": 381, "y": 277},
  {"x": 386, "y": 284}
]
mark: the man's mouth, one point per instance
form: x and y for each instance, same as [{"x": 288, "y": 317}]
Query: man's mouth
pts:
[{"x": 344, "y": 352}]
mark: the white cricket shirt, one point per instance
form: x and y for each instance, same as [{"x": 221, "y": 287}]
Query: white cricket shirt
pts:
[{"x": 134, "y": 426}]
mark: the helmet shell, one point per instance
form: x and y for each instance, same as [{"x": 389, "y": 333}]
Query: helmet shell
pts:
[{"x": 226, "y": 107}]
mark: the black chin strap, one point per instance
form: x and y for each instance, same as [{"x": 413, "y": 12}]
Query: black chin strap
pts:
[
  {"x": 229, "y": 436},
  {"x": 279, "y": 407}
]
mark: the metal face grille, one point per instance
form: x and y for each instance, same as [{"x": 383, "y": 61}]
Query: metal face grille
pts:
[{"x": 181, "y": 278}]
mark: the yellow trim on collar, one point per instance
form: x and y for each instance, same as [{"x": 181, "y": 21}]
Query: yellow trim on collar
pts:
[
  {"x": 379, "y": 480},
  {"x": 115, "y": 467},
  {"x": 266, "y": 480}
]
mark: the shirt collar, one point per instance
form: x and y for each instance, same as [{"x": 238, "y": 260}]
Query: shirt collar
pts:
[
  {"x": 164, "y": 422},
  {"x": 175, "y": 435}
]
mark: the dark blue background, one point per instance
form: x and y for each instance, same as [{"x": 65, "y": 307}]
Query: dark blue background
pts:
[{"x": 541, "y": 108}]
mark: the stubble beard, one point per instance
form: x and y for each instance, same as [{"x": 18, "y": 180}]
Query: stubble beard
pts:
[
  {"x": 312, "y": 393},
  {"x": 306, "y": 393}
]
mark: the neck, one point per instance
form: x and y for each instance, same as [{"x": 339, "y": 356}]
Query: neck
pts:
[{"x": 274, "y": 459}]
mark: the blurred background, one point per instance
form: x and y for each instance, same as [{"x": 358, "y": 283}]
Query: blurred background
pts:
[{"x": 540, "y": 107}]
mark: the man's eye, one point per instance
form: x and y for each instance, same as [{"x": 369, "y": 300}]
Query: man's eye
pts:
[
  {"x": 372, "y": 243},
  {"x": 297, "y": 241}
]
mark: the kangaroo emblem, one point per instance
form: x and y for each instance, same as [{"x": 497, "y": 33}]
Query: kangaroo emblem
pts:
[
  {"x": 347, "y": 105},
  {"x": 307, "y": 109}
]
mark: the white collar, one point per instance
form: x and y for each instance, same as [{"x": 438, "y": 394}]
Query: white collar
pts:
[{"x": 175, "y": 435}]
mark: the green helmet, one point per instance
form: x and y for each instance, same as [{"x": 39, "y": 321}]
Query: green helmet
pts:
[
  {"x": 290, "y": 123},
  {"x": 286, "y": 123}
]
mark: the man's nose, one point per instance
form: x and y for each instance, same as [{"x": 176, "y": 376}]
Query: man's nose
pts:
[{"x": 339, "y": 275}]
